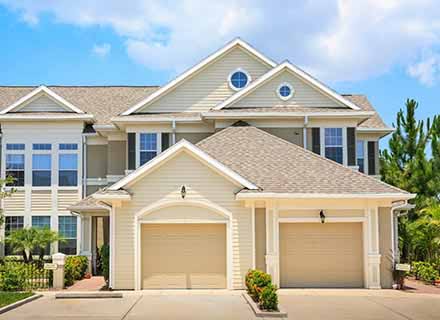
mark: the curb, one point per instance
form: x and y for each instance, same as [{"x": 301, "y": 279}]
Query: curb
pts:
[
  {"x": 19, "y": 303},
  {"x": 264, "y": 314},
  {"x": 88, "y": 295}
]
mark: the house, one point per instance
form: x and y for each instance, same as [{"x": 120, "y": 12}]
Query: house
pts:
[{"x": 237, "y": 163}]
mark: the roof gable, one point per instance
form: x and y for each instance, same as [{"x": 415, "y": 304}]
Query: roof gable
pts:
[
  {"x": 305, "y": 83},
  {"x": 198, "y": 68},
  {"x": 168, "y": 154},
  {"x": 41, "y": 99}
]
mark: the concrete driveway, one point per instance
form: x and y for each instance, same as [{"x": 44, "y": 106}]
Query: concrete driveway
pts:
[{"x": 300, "y": 304}]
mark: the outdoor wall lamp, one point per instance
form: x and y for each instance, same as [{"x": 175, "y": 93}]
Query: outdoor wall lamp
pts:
[
  {"x": 183, "y": 192},
  {"x": 322, "y": 216}
]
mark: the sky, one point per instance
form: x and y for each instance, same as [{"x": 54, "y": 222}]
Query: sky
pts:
[{"x": 386, "y": 49}]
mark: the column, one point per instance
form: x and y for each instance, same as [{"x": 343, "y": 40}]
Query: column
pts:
[
  {"x": 373, "y": 256},
  {"x": 272, "y": 243}
]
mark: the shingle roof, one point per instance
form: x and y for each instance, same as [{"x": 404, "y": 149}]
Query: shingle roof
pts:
[
  {"x": 104, "y": 102},
  {"x": 88, "y": 203},
  {"x": 278, "y": 166}
]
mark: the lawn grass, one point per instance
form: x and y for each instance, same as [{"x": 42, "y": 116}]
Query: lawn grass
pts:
[{"x": 11, "y": 297}]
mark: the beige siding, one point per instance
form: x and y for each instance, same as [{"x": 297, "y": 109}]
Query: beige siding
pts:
[
  {"x": 41, "y": 201},
  {"x": 385, "y": 247},
  {"x": 209, "y": 86},
  {"x": 260, "y": 239},
  {"x": 193, "y": 137},
  {"x": 266, "y": 95},
  {"x": 97, "y": 161},
  {"x": 202, "y": 184},
  {"x": 183, "y": 212},
  {"x": 117, "y": 155},
  {"x": 66, "y": 198},
  {"x": 294, "y": 135},
  {"x": 42, "y": 104},
  {"x": 15, "y": 203},
  {"x": 315, "y": 213}
]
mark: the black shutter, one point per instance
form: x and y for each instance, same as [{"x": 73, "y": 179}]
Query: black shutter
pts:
[
  {"x": 316, "y": 140},
  {"x": 351, "y": 146},
  {"x": 371, "y": 157},
  {"x": 131, "y": 142},
  {"x": 165, "y": 141}
]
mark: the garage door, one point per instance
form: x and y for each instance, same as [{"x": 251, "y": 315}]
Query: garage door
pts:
[
  {"x": 321, "y": 255},
  {"x": 183, "y": 256}
]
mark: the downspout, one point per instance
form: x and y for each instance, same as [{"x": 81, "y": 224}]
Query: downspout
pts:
[
  {"x": 306, "y": 122},
  {"x": 395, "y": 214},
  {"x": 173, "y": 134},
  {"x": 84, "y": 161}
]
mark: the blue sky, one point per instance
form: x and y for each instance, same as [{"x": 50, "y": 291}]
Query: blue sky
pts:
[{"x": 390, "y": 53}]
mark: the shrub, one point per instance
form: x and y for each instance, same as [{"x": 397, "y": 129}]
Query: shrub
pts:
[
  {"x": 424, "y": 271},
  {"x": 268, "y": 298},
  {"x": 259, "y": 287},
  {"x": 75, "y": 269},
  {"x": 13, "y": 277},
  {"x": 104, "y": 252}
]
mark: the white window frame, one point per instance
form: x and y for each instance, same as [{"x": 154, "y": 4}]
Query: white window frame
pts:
[
  {"x": 292, "y": 91},
  {"x": 78, "y": 163},
  {"x": 16, "y": 152},
  {"x": 239, "y": 70},
  {"x": 138, "y": 145},
  {"x": 344, "y": 143},
  {"x": 78, "y": 231},
  {"x": 363, "y": 154},
  {"x": 42, "y": 152}
]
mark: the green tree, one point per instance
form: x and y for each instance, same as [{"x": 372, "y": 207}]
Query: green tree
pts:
[
  {"x": 412, "y": 163},
  {"x": 5, "y": 193},
  {"x": 45, "y": 237}
]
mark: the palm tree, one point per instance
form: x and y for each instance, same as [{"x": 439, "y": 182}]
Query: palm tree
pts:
[
  {"x": 29, "y": 240},
  {"x": 426, "y": 231}
]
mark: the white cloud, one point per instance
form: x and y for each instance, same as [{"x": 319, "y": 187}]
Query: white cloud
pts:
[
  {"x": 427, "y": 70},
  {"x": 101, "y": 50},
  {"x": 341, "y": 40}
]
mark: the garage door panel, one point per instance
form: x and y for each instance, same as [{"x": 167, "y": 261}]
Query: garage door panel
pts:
[
  {"x": 184, "y": 256},
  {"x": 321, "y": 255}
]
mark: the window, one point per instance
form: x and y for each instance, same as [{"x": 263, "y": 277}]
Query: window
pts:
[
  {"x": 12, "y": 223},
  {"x": 148, "y": 147},
  {"x": 41, "y": 146},
  {"x": 360, "y": 154},
  {"x": 239, "y": 79},
  {"x": 15, "y": 169},
  {"x": 15, "y": 146},
  {"x": 67, "y": 230},
  {"x": 68, "y": 170},
  {"x": 333, "y": 144},
  {"x": 285, "y": 91},
  {"x": 41, "y": 222},
  {"x": 68, "y": 146},
  {"x": 41, "y": 170}
]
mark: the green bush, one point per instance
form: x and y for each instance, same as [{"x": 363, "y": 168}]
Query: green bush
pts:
[
  {"x": 75, "y": 269},
  {"x": 12, "y": 277},
  {"x": 268, "y": 299},
  {"x": 104, "y": 252},
  {"x": 259, "y": 287},
  {"x": 424, "y": 271}
]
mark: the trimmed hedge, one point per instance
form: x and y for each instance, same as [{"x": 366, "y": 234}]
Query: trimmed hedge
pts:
[
  {"x": 262, "y": 291},
  {"x": 74, "y": 269},
  {"x": 104, "y": 252},
  {"x": 424, "y": 271}
]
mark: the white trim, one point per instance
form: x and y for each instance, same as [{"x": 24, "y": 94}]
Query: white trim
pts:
[
  {"x": 298, "y": 72},
  {"x": 254, "y": 235},
  {"x": 182, "y": 145},
  {"x": 235, "y": 115},
  {"x": 112, "y": 247},
  {"x": 182, "y": 221},
  {"x": 285, "y": 84},
  {"x": 154, "y": 119},
  {"x": 263, "y": 195},
  {"x": 103, "y": 196},
  {"x": 361, "y": 129},
  {"x": 237, "y": 42},
  {"x": 36, "y": 116},
  {"x": 33, "y": 93},
  {"x": 249, "y": 79},
  {"x": 318, "y": 220}
]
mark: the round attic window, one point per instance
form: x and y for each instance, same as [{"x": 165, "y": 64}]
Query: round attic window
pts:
[
  {"x": 239, "y": 79},
  {"x": 285, "y": 91}
]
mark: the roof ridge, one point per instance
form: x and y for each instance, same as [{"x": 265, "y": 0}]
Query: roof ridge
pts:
[
  {"x": 292, "y": 145},
  {"x": 80, "y": 86}
]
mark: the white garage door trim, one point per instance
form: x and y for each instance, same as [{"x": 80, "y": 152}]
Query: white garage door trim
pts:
[
  {"x": 164, "y": 204},
  {"x": 365, "y": 237}
]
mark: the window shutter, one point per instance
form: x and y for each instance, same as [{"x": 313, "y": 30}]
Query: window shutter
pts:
[
  {"x": 351, "y": 146},
  {"x": 131, "y": 151},
  {"x": 371, "y": 157},
  {"x": 165, "y": 141},
  {"x": 316, "y": 140}
]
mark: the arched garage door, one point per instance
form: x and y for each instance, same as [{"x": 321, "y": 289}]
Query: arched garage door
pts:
[
  {"x": 183, "y": 256},
  {"x": 321, "y": 255}
]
